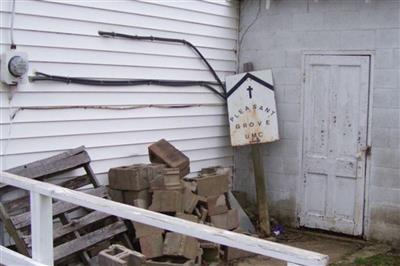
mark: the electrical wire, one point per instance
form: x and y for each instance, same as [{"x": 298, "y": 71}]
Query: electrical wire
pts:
[
  {"x": 251, "y": 24},
  {"x": 108, "y": 107},
  {"x": 13, "y": 46},
  {"x": 161, "y": 39},
  {"x": 40, "y": 76}
]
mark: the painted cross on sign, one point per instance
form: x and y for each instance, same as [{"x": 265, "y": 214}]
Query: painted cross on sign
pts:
[{"x": 252, "y": 108}]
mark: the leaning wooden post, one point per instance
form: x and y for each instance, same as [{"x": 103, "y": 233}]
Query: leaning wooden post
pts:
[
  {"x": 258, "y": 167},
  {"x": 42, "y": 228}
]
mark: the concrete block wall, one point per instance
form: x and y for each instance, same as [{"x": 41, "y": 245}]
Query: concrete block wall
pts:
[{"x": 276, "y": 40}]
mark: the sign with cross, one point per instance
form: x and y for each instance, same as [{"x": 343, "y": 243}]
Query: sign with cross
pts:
[{"x": 252, "y": 108}]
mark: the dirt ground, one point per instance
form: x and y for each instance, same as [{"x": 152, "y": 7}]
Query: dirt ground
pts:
[{"x": 342, "y": 251}]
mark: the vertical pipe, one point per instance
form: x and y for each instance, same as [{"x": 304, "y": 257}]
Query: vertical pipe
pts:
[{"x": 42, "y": 228}]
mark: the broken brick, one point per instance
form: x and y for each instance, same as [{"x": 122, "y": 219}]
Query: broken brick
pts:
[
  {"x": 117, "y": 255},
  {"x": 181, "y": 245},
  {"x": 216, "y": 205},
  {"x": 190, "y": 200},
  {"x": 142, "y": 230},
  {"x": 163, "y": 152},
  {"x": 212, "y": 185},
  {"x": 133, "y": 177},
  {"x": 152, "y": 245},
  {"x": 227, "y": 221},
  {"x": 166, "y": 201}
]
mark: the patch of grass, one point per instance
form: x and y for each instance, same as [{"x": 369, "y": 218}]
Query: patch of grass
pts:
[{"x": 378, "y": 260}]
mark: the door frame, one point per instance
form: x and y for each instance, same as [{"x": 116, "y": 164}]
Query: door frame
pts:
[{"x": 300, "y": 182}]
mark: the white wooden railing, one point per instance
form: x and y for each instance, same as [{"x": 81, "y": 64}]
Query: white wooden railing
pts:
[{"x": 42, "y": 226}]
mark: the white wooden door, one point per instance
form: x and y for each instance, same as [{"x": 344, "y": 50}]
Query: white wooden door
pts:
[{"x": 334, "y": 142}]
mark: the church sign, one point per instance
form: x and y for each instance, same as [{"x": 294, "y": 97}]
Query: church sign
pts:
[{"x": 252, "y": 109}]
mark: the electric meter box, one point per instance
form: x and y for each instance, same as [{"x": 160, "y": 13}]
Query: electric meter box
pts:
[{"x": 14, "y": 67}]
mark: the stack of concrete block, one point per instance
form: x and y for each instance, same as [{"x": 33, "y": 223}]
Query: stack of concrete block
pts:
[{"x": 161, "y": 187}]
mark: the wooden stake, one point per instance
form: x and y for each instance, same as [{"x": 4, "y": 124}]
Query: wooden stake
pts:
[{"x": 261, "y": 194}]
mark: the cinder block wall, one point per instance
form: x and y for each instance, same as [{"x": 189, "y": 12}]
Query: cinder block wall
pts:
[{"x": 277, "y": 40}]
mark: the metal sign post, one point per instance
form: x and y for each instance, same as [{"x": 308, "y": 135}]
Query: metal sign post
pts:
[{"x": 253, "y": 120}]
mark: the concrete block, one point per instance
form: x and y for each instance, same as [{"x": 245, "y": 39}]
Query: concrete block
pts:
[
  {"x": 217, "y": 205},
  {"x": 384, "y": 58},
  {"x": 308, "y": 21},
  {"x": 181, "y": 245},
  {"x": 163, "y": 152},
  {"x": 188, "y": 217},
  {"x": 116, "y": 195},
  {"x": 171, "y": 262},
  {"x": 142, "y": 230},
  {"x": 228, "y": 221},
  {"x": 152, "y": 245},
  {"x": 385, "y": 177},
  {"x": 118, "y": 255},
  {"x": 133, "y": 177},
  {"x": 384, "y": 157},
  {"x": 288, "y": 112},
  {"x": 292, "y": 130},
  {"x": 293, "y": 58},
  {"x": 287, "y": 76},
  {"x": 385, "y": 118},
  {"x": 387, "y": 38},
  {"x": 190, "y": 200},
  {"x": 234, "y": 253},
  {"x": 140, "y": 199},
  {"x": 341, "y": 20},
  {"x": 386, "y": 78},
  {"x": 212, "y": 185},
  {"x": 319, "y": 40},
  {"x": 166, "y": 201}
]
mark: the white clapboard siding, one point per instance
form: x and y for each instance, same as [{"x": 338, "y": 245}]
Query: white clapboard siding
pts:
[{"x": 61, "y": 38}]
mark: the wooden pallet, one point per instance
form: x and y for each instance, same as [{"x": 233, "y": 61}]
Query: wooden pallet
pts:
[{"x": 73, "y": 237}]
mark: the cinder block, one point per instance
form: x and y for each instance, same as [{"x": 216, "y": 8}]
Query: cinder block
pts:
[
  {"x": 211, "y": 252},
  {"x": 142, "y": 230},
  {"x": 188, "y": 217},
  {"x": 166, "y": 201},
  {"x": 227, "y": 221},
  {"x": 116, "y": 195},
  {"x": 234, "y": 253},
  {"x": 212, "y": 185},
  {"x": 133, "y": 177},
  {"x": 152, "y": 245},
  {"x": 141, "y": 199},
  {"x": 163, "y": 152},
  {"x": 171, "y": 262},
  {"x": 216, "y": 205},
  {"x": 190, "y": 200},
  {"x": 117, "y": 255},
  {"x": 181, "y": 245}
]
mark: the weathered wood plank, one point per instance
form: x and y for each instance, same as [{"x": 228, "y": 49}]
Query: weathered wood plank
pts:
[
  {"x": 19, "y": 243},
  {"x": 19, "y": 205},
  {"x": 201, "y": 231},
  {"x": 89, "y": 240},
  {"x": 74, "y": 225},
  {"x": 24, "y": 219},
  {"x": 46, "y": 168}
]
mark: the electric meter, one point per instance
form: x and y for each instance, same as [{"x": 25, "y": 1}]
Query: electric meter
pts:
[{"x": 14, "y": 67}]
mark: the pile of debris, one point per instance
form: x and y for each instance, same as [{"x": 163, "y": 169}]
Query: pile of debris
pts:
[{"x": 162, "y": 187}]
